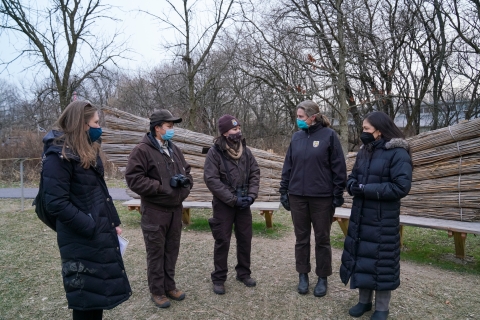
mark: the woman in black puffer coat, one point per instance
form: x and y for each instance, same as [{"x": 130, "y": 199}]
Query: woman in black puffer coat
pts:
[
  {"x": 87, "y": 222},
  {"x": 381, "y": 176}
]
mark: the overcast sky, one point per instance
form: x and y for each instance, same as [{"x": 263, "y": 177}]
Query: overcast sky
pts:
[{"x": 142, "y": 31}]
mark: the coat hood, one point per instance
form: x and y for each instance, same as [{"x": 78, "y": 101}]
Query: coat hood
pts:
[
  {"x": 397, "y": 143},
  {"x": 392, "y": 144},
  {"x": 49, "y": 138}
]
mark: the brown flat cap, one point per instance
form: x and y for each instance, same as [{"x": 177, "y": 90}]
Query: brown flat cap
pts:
[{"x": 164, "y": 115}]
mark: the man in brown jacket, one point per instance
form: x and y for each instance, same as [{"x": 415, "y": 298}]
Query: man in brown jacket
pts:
[{"x": 158, "y": 172}]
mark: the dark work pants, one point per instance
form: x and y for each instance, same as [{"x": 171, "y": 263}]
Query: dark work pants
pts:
[
  {"x": 308, "y": 211},
  {"x": 224, "y": 217},
  {"x": 162, "y": 230},
  {"x": 87, "y": 315}
]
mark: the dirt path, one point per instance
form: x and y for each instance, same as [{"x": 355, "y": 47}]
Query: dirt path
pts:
[
  {"x": 425, "y": 292},
  {"x": 31, "y": 285}
]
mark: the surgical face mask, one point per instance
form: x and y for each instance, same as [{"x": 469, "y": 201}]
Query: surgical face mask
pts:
[
  {"x": 235, "y": 137},
  {"x": 168, "y": 134},
  {"x": 302, "y": 124},
  {"x": 94, "y": 133},
  {"x": 367, "y": 137}
]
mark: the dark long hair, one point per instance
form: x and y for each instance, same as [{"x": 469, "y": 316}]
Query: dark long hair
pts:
[{"x": 382, "y": 122}]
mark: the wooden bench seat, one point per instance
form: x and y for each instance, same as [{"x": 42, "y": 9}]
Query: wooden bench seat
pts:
[
  {"x": 266, "y": 209},
  {"x": 456, "y": 229}
]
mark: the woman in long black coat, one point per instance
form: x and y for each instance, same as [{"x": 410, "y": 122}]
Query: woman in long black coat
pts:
[
  {"x": 381, "y": 176},
  {"x": 87, "y": 222}
]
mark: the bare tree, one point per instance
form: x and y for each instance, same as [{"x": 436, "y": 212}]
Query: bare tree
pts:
[
  {"x": 197, "y": 40},
  {"x": 55, "y": 35}
]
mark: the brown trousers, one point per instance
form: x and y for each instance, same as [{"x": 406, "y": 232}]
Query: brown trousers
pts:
[
  {"x": 308, "y": 211},
  {"x": 162, "y": 230},
  {"x": 224, "y": 217}
]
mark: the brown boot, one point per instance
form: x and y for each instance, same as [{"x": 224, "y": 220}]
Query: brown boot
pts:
[
  {"x": 161, "y": 301},
  {"x": 176, "y": 294}
]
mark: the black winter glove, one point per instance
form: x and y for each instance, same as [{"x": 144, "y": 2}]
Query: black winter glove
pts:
[
  {"x": 285, "y": 201},
  {"x": 357, "y": 189},
  {"x": 250, "y": 201},
  {"x": 240, "y": 201},
  {"x": 337, "y": 201}
]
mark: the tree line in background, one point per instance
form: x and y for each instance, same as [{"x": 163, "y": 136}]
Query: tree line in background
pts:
[{"x": 258, "y": 60}]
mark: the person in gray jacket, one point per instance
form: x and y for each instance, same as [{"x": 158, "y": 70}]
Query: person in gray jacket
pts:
[{"x": 313, "y": 180}]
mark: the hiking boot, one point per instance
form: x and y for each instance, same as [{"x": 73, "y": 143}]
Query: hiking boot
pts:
[
  {"x": 249, "y": 282},
  {"x": 359, "y": 309},
  {"x": 219, "y": 288},
  {"x": 321, "y": 287},
  {"x": 302, "y": 283},
  {"x": 161, "y": 301},
  {"x": 379, "y": 315},
  {"x": 176, "y": 294}
]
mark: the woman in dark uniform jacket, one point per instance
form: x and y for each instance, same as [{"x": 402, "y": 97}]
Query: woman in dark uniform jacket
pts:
[
  {"x": 313, "y": 180},
  {"x": 232, "y": 174},
  {"x": 87, "y": 222},
  {"x": 381, "y": 176}
]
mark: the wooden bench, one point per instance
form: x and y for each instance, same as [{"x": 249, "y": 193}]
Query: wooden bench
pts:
[
  {"x": 266, "y": 209},
  {"x": 456, "y": 229}
]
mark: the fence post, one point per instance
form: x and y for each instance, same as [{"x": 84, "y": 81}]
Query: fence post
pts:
[{"x": 21, "y": 180}]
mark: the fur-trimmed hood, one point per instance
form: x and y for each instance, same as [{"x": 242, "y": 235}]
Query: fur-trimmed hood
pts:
[
  {"x": 397, "y": 143},
  {"x": 392, "y": 144}
]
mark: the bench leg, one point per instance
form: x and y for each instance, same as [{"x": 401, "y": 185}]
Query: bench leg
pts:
[
  {"x": 459, "y": 239},
  {"x": 268, "y": 218},
  {"x": 343, "y": 223},
  {"x": 186, "y": 216},
  {"x": 131, "y": 208}
]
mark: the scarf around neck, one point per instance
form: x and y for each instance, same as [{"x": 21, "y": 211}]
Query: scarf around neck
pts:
[{"x": 234, "y": 154}]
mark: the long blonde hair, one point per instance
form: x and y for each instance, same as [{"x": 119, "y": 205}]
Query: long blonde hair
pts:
[
  {"x": 72, "y": 123},
  {"x": 311, "y": 108}
]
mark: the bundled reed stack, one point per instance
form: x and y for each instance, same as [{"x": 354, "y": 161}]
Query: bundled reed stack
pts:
[
  {"x": 446, "y": 175},
  {"x": 123, "y": 131}
]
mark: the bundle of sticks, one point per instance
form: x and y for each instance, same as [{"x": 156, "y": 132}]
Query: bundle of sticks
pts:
[
  {"x": 123, "y": 131},
  {"x": 446, "y": 174}
]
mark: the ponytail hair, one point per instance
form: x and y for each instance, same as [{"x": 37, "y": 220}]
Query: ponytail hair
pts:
[{"x": 311, "y": 108}]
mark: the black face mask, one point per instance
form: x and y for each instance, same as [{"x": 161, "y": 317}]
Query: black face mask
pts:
[
  {"x": 236, "y": 137},
  {"x": 367, "y": 138}
]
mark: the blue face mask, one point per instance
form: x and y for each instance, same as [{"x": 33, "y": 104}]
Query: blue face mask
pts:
[
  {"x": 168, "y": 134},
  {"x": 94, "y": 133},
  {"x": 302, "y": 124}
]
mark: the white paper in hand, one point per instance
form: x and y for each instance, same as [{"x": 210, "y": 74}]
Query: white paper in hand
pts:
[{"x": 123, "y": 244}]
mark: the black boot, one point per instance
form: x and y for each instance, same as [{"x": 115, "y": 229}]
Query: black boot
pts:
[
  {"x": 303, "y": 283},
  {"x": 359, "y": 309},
  {"x": 321, "y": 287},
  {"x": 379, "y": 315}
]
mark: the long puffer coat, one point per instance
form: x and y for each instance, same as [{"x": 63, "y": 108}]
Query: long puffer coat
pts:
[
  {"x": 371, "y": 256},
  {"x": 92, "y": 267}
]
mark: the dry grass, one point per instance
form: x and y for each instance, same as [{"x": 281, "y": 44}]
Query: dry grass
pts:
[{"x": 31, "y": 286}]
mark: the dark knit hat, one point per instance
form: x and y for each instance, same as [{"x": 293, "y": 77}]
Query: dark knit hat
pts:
[
  {"x": 227, "y": 122},
  {"x": 163, "y": 115}
]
